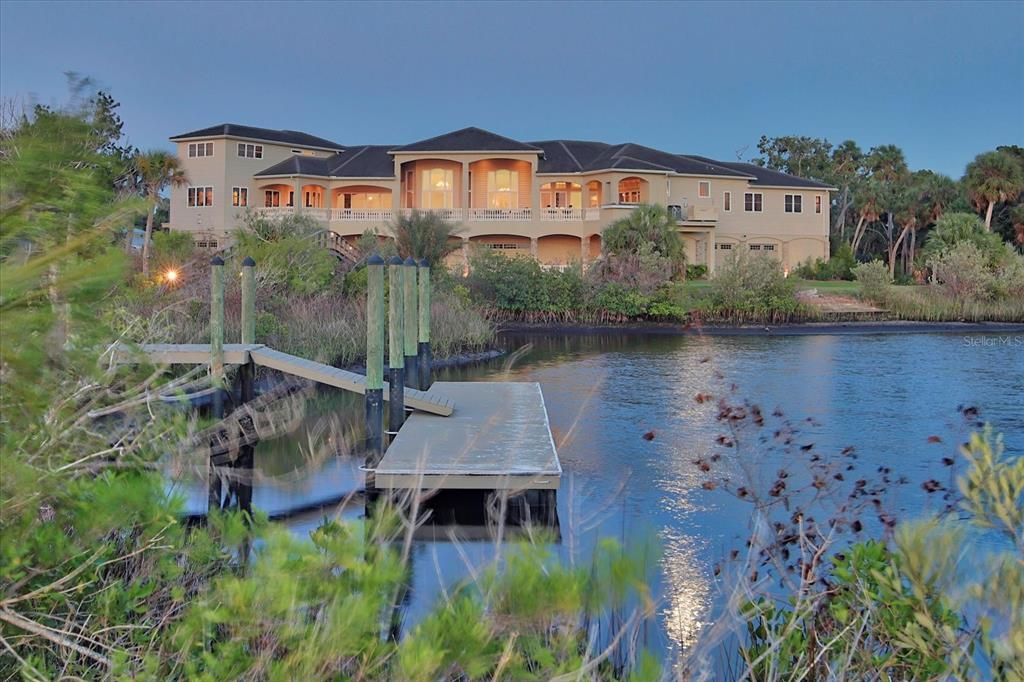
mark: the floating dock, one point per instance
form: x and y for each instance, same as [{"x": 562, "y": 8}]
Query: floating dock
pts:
[{"x": 498, "y": 438}]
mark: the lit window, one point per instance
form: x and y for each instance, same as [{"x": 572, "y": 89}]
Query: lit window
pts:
[
  {"x": 727, "y": 201},
  {"x": 704, "y": 189},
  {"x": 199, "y": 149},
  {"x": 239, "y": 196},
  {"x": 436, "y": 188},
  {"x": 200, "y": 196},
  {"x": 794, "y": 203},
  {"x": 250, "y": 151},
  {"x": 753, "y": 202},
  {"x": 629, "y": 191},
  {"x": 560, "y": 195},
  {"x": 503, "y": 189},
  {"x": 817, "y": 203},
  {"x": 271, "y": 198}
]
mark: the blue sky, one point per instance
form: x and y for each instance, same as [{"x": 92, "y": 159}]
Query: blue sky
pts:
[{"x": 944, "y": 80}]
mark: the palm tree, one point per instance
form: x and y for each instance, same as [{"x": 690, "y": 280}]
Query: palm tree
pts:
[
  {"x": 649, "y": 224},
  {"x": 1017, "y": 216},
  {"x": 887, "y": 163},
  {"x": 991, "y": 178},
  {"x": 157, "y": 170},
  {"x": 422, "y": 234},
  {"x": 869, "y": 209},
  {"x": 956, "y": 228}
]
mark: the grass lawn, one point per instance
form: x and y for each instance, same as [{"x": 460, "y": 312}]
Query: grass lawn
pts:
[{"x": 839, "y": 288}]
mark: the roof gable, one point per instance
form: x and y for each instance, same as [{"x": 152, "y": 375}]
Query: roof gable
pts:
[
  {"x": 292, "y": 137},
  {"x": 468, "y": 140}
]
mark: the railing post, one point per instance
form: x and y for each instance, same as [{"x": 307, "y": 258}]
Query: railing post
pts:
[
  {"x": 216, "y": 366},
  {"x": 411, "y": 314},
  {"x": 396, "y": 345},
  {"x": 425, "y": 358},
  {"x": 374, "y": 362}
]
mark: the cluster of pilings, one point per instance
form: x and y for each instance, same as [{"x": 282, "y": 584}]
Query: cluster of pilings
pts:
[{"x": 408, "y": 342}]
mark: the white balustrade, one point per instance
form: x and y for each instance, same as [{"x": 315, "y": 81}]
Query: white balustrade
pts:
[
  {"x": 362, "y": 214},
  {"x": 499, "y": 215}
]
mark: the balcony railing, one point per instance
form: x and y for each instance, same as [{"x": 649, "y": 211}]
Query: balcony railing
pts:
[{"x": 455, "y": 215}]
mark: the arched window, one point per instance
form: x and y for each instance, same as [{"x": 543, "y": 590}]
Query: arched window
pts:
[
  {"x": 503, "y": 189},
  {"x": 436, "y": 188},
  {"x": 629, "y": 190}
]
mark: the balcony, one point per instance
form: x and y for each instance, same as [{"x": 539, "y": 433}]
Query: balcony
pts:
[{"x": 455, "y": 215}]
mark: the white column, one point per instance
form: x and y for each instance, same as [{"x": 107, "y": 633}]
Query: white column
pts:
[
  {"x": 584, "y": 249},
  {"x": 710, "y": 255},
  {"x": 533, "y": 247},
  {"x": 464, "y": 200},
  {"x": 297, "y": 196}
]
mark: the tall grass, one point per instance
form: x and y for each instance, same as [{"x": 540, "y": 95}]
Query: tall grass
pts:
[{"x": 928, "y": 304}]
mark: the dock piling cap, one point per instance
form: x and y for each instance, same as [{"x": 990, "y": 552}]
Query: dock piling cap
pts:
[
  {"x": 394, "y": 260},
  {"x": 248, "y": 262},
  {"x": 410, "y": 261},
  {"x": 217, "y": 260},
  {"x": 375, "y": 259},
  {"x": 424, "y": 263}
]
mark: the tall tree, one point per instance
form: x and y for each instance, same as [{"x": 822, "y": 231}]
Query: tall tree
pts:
[
  {"x": 846, "y": 173},
  {"x": 993, "y": 177},
  {"x": 156, "y": 170},
  {"x": 869, "y": 208},
  {"x": 806, "y": 157}
]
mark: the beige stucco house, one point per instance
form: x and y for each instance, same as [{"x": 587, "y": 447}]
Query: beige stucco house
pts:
[{"x": 551, "y": 199}]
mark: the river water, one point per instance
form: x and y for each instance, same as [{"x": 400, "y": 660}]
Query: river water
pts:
[{"x": 887, "y": 396}]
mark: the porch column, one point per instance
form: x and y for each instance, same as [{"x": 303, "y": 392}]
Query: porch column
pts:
[
  {"x": 297, "y": 196},
  {"x": 709, "y": 256},
  {"x": 534, "y": 191},
  {"x": 584, "y": 249},
  {"x": 533, "y": 247},
  {"x": 464, "y": 200}
]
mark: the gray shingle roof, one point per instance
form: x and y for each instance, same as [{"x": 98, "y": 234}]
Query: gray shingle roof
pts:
[
  {"x": 299, "y": 165},
  {"x": 250, "y": 132},
  {"x": 368, "y": 161},
  {"x": 468, "y": 140},
  {"x": 768, "y": 177}
]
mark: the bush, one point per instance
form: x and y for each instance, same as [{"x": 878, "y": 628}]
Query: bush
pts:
[
  {"x": 621, "y": 300},
  {"x": 422, "y": 234},
  {"x": 696, "y": 271},
  {"x": 952, "y": 229},
  {"x": 288, "y": 252},
  {"x": 963, "y": 272},
  {"x": 752, "y": 289},
  {"x": 839, "y": 267},
  {"x": 874, "y": 279},
  {"x": 172, "y": 249},
  {"x": 644, "y": 270}
]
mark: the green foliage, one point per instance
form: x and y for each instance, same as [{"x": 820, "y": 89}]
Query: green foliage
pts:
[
  {"x": 839, "y": 267},
  {"x": 649, "y": 228},
  {"x": 422, "y": 234},
  {"x": 621, "y": 300},
  {"x": 698, "y": 271},
  {"x": 172, "y": 249},
  {"x": 963, "y": 272},
  {"x": 288, "y": 251},
  {"x": 874, "y": 279},
  {"x": 955, "y": 228},
  {"x": 370, "y": 242},
  {"x": 751, "y": 289},
  {"x": 994, "y": 177}
]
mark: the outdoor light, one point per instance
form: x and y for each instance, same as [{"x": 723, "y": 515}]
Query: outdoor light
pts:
[{"x": 171, "y": 276}]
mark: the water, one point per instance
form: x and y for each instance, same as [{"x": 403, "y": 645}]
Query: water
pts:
[{"x": 885, "y": 395}]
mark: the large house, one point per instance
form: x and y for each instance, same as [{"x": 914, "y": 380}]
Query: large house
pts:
[{"x": 550, "y": 198}]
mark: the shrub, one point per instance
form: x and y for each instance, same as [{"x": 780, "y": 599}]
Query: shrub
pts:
[
  {"x": 288, "y": 252},
  {"x": 699, "y": 271},
  {"x": 621, "y": 300},
  {"x": 874, "y": 279},
  {"x": 952, "y": 229},
  {"x": 838, "y": 267},
  {"x": 648, "y": 227},
  {"x": 172, "y": 248},
  {"x": 753, "y": 289},
  {"x": 422, "y": 234},
  {"x": 963, "y": 272},
  {"x": 644, "y": 269}
]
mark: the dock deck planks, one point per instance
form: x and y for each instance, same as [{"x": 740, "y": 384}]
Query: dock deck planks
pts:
[{"x": 498, "y": 439}]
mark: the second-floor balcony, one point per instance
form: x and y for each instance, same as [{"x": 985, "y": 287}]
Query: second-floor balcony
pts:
[{"x": 455, "y": 215}]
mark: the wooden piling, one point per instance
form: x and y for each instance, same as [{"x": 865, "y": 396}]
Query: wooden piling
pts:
[
  {"x": 243, "y": 465},
  {"x": 374, "y": 360},
  {"x": 411, "y": 323},
  {"x": 396, "y": 345},
  {"x": 216, "y": 365},
  {"x": 424, "y": 360}
]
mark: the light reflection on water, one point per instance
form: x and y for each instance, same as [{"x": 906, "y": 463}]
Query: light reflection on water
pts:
[{"x": 884, "y": 395}]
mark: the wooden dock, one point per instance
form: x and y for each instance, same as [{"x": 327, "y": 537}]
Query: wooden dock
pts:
[
  {"x": 240, "y": 354},
  {"x": 498, "y": 438}
]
